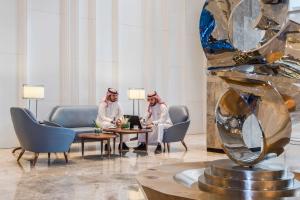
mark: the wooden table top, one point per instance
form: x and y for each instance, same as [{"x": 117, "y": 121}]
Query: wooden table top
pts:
[
  {"x": 127, "y": 131},
  {"x": 101, "y": 136}
]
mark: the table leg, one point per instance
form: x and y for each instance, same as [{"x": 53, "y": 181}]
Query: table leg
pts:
[
  {"x": 109, "y": 150},
  {"x": 121, "y": 144},
  {"x": 101, "y": 147},
  {"x": 82, "y": 147},
  {"x": 114, "y": 145},
  {"x": 146, "y": 141}
]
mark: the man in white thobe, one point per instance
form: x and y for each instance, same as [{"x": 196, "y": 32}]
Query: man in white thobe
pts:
[
  {"x": 110, "y": 114},
  {"x": 157, "y": 117}
]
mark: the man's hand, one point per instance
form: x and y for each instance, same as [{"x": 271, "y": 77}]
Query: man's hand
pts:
[
  {"x": 150, "y": 125},
  {"x": 119, "y": 122}
]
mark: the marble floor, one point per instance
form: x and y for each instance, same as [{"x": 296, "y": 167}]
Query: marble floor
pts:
[
  {"x": 99, "y": 178},
  {"x": 90, "y": 178}
]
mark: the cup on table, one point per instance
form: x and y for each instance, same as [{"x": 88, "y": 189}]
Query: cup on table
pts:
[
  {"x": 128, "y": 125},
  {"x": 135, "y": 127}
]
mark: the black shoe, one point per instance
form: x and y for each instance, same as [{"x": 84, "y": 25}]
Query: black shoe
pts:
[
  {"x": 106, "y": 147},
  {"x": 141, "y": 147},
  {"x": 124, "y": 147},
  {"x": 158, "y": 149}
]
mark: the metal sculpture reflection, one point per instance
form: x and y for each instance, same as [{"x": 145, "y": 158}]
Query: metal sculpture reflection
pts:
[{"x": 254, "y": 46}]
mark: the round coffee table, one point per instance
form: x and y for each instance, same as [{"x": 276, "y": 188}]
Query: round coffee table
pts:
[
  {"x": 98, "y": 137},
  {"x": 122, "y": 132}
]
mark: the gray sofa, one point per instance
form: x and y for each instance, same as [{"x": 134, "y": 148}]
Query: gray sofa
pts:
[{"x": 78, "y": 118}]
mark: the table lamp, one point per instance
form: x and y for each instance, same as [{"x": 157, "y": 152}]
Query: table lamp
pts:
[
  {"x": 34, "y": 92},
  {"x": 136, "y": 94}
]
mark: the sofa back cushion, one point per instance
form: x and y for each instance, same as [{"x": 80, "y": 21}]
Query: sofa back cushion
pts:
[
  {"x": 178, "y": 114},
  {"x": 74, "y": 116}
]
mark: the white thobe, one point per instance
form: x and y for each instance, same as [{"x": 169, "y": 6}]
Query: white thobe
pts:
[
  {"x": 161, "y": 120},
  {"x": 109, "y": 112}
]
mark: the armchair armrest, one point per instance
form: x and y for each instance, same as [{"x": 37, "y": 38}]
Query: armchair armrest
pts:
[
  {"x": 54, "y": 130},
  {"x": 50, "y": 139},
  {"x": 176, "y": 132}
]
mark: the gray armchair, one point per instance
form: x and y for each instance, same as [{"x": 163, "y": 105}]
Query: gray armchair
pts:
[
  {"x": 181, "y": 121},
  {"x": 39, "y": 138}
]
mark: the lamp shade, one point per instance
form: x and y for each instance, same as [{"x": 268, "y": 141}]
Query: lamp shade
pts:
[
  {"x": 136, "y": 93},
  {"x": 33, "y": 92}
]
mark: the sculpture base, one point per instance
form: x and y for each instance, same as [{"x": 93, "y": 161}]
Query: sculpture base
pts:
[
  {"x": 180, "y": 182},
  {"x": 262, "y": 181}
]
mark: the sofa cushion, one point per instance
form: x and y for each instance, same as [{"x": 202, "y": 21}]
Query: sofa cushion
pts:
[
  {"x": 83, "y": 130},
  {"x": 178, "y": 114},
  {"x": 74, "y": 116}
]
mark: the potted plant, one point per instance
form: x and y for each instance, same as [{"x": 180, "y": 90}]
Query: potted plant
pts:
[
  {"x": 125, "y": 124},
  {"x": 97, "y": 129}
]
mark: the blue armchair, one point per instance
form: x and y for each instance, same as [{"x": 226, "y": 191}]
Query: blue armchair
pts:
[
  {"x": 181, "y": 121},
  {"x": 39, "y": 138}
]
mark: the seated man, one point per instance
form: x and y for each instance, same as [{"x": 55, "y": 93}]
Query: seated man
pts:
[
  {"x": 110, "y": 114},
  {"x": 157, "y": 117}
]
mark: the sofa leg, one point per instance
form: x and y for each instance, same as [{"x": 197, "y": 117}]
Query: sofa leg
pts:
[
  {"x": 21, "y": 154},
  {"x": 36, "y": 155},
  {"x": 66, "y": 157},
  {"x": 168, "y": 146},
  {"x": 183, "y": 143},
  {"x": 164, "y": 147}
]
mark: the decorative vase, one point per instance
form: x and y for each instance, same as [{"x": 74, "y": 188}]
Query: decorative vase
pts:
[{"x": 98, "y": 131}]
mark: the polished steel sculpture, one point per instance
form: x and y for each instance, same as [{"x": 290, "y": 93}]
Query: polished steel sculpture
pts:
[{"x": 254, "y": 46}]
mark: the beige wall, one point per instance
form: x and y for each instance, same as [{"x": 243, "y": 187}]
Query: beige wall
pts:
[{"x": 78, "y": 48}]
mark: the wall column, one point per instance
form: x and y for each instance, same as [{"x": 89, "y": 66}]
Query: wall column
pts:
[
  {"x": 23, "y": 41},
  {"x": 69, "y": 64}
]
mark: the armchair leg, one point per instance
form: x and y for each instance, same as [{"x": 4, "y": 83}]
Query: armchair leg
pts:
[
  {"x": 16, "y": 149},
  {"x": 66, "y": 157},
  {"x": 164, "y": 147},
  {"x": 21, "y": 154},
  {"x": 168, "y": 146},
  {"x": 183, "y": 143},
  {"x": 49, "y": 156},
  {"x": 36, "y": 155}
]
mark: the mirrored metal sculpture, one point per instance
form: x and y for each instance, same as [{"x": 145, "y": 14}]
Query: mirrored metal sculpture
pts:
[{"x": 254, "y": 46}]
